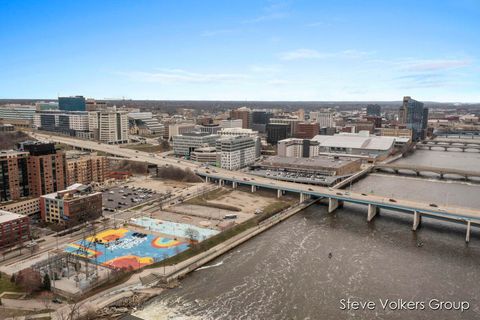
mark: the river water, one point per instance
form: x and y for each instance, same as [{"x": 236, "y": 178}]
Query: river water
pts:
[{"x": 303, "y": 267}]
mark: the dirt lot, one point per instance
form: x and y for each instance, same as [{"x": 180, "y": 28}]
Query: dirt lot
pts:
[
  {"x": 158, "y": 185},
  {"x": 245, "y": 202}
]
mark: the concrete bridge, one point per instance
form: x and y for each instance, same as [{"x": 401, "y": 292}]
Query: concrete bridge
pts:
[
  {"x": 418, "y": 170},
  {"x": 452, "y": 142},
  {"x": 447, "y": 147},
  {"x": 336, "y": 199}
]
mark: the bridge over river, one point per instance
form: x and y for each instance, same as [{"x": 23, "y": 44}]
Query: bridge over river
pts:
[
  {"x": 418, "y": 170},
  {"x": 335, "y": 197}
]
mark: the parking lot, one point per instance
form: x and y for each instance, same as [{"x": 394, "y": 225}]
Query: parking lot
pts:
[
  {"x": 296, "y": 176},
  {"x": 124, "y": 197}
]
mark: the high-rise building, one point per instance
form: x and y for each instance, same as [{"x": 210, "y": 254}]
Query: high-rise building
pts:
[
  {"x": 13, "y": 175},
  {"x": 109, "y": 126},
  {"x": 46, "y": 168},
  {"x": 414, "y": 116},
  {"x": 235, "y": 152},
  {"x": 260, "y": 119},
  {"x": 70, "y": 123},
  {"x": 307, "y": 130},
  {"x": 242, "y": 114},
  {"x": 292, "y": 121},
  {"x": 297, "y": 148},
  {"x": 374, "y": 110},
  {"x": 277, "y": 132},
  {"x": 176, "y": 129},
  {"x": 76, "y": 103},
  {"x": 231, "y": 123},
  {"x": 185, "y": 144},
  {"x": 86, "y": 168},
  {"x": 323, "y": 118}
]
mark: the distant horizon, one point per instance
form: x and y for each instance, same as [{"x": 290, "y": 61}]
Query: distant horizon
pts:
[{"x": 246, "y": 101}]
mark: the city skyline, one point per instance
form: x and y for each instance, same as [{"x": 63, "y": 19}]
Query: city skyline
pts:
[{"x": 265, "y": 51}]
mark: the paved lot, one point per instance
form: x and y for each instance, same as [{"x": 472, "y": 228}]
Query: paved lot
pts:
[{"x": 124, "y": 197}]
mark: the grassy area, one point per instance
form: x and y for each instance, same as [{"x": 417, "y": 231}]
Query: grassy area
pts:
[
  {"x": 203, "y": 200},
  {"x": 145, "y": 147},
  {"x": 6, "y": 285}
]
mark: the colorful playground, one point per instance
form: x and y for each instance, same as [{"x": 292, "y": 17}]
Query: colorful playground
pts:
[{"x": 122, "y": 248}]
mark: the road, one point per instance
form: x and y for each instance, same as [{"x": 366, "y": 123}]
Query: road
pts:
[{"x": 458, "y": 213}]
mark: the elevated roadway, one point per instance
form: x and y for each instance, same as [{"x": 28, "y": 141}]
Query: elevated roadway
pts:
[
  {"x": 418, "y": 170},
  {"x": 335, "y": 197}
]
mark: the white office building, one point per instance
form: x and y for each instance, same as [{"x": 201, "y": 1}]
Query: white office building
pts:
[
  {"x": 109, "y": 126},
  {"x": 185, "y": 144},
  {"x": 324, "y": 118},
  {"x": 17, "y": 112},
  {"x": 297, "y": 148},
  {"x": 237, "y": 123},
  {"x": 235, "y": 152}
]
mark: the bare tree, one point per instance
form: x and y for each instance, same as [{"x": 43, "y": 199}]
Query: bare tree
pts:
[{"x": 192, "y": 235}]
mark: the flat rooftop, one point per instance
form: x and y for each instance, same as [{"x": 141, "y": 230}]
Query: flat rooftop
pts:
[
  {"x": 6, "y": 216},
  {"x": 315, "y": 162}
]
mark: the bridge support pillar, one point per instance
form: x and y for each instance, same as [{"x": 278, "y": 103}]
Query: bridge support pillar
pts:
[
  {"x": 467, "y": 237},
  {"x": 372, "y": 212},
  {"x": 279, "y": 193},
  {"x": 254, "y": 188},
  {"x": 441, "y": 175},
  {"x": 302, "y": 197},
  {"x": 417, "y": 219},
  {"x": 220, "y": 182},
  {"x": 332, "y": 204},
  {"x": 234, "y": 184},
  {"x": 207, "y": 179}
]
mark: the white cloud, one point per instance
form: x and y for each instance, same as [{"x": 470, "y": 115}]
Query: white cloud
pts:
[
  {"x": 300, "y": 54},
  {"x": 435, "y": 64},
  {"x": 171, "y": 76}
]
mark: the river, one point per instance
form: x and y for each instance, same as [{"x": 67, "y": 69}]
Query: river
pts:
[{"x": 303, "y": 267}]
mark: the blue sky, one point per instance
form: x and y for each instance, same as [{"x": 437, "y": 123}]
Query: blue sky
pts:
[{"x": 241, "y": 50}]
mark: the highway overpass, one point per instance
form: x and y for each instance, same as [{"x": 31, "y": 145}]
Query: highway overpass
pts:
[{"x": 335, "y": 197}]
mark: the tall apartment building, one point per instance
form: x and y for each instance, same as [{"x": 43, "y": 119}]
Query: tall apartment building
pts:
[
  {"x": 235, "y": 152},
  {"x": 14, "y": 229},
  {"x": 185, "y": 144},
  {"x": 86, "y": 168},
  {"x": 243, "y": 114},
  {"x": 75, "y": 204},
  {"x": 109, "y": 126},
  {"x": 76, "y": 103},
  {"x": 46, "y": 168},
  {"x": 13, "y": 175},
  {"x": 414, "y": 116}
]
